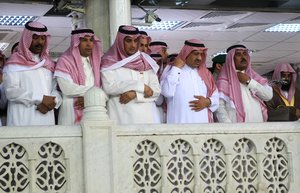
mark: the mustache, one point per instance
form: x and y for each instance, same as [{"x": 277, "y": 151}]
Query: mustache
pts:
[{"x": 39, "y": 46}]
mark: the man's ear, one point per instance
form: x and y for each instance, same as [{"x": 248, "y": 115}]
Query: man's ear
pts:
[{"x": 218, "y": 66}]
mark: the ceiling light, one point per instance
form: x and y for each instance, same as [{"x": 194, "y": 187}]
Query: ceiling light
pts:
[
  {"x": 14, "y": 20},
  {"x": 3, "y": 46},
  {"x": 163, "y": 25},
  {"x": 291, "y": 27}
]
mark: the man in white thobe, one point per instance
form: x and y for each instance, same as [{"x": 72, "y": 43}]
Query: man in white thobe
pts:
[
  {"x": 129, "y": 78},
  {"x": 77, "y": 71},
  {"x": 242, "y": 91},
  {"x": 28, "y": 80},
  {"x": 189, "y": 87}
]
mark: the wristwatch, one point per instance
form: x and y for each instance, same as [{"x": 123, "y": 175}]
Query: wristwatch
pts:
[{"x": 248, "y": 81}]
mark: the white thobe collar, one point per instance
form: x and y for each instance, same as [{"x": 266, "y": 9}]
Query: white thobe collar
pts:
[
  {"x": 36, "y": 57},
  {"x": 85, "y": 60}
]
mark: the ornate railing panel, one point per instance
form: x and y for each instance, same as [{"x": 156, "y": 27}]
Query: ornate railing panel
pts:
[{"x": 14, "y": 168}]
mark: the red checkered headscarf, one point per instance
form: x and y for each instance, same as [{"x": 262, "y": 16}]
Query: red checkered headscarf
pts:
[
  {"x": 24, "y": 57},
  {"x": 69, "y": 65},
  {"x": 117, "y": 52}
]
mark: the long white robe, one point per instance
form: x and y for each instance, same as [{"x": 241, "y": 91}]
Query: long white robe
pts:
[
  {"x": 70, "y": 90},
  {"x": 227, "y": 113},
  {"x": 179, "y": 87},
  {"x": 139, "y": 110},
  {"x": 24, "y": 91}
]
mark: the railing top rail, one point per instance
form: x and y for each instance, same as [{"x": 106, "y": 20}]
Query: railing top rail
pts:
[
  {"x": 40, "y": 132},
  {"x": 203, "y": 129}
]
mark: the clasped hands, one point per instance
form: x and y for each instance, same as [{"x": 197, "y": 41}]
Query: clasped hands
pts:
[
  {"x": 48, "y": 103},
  {"x": 126, "y": 97},
  {"x": 199, "y": 104}
]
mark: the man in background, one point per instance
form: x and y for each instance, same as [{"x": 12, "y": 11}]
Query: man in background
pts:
[
  {"x": 285, "y": 104},
  {"x": 218, "y": 62}
]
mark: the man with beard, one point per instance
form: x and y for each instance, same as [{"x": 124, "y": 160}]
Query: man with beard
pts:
[
  {"x": 189, "y": 87},
  {"x": 28, "y": 80},
  {"x": 285, "y": 104},
  {"x": 242, "y": 91}
]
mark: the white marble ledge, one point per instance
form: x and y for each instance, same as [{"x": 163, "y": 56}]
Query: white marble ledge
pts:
[
  {"x": 211, "y": 128},
  {"x": 40, "y": 131}
]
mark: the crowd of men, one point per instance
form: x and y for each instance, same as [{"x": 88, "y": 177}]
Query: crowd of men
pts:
[{"x": 144, "y": 84}]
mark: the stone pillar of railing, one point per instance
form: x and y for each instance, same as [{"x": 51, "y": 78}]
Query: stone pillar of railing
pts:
[{"x": 96, "y": 134}]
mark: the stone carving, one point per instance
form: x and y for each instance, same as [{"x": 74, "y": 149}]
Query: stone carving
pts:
[
  {"x": 244, "y": 166},
  {"x": 213, "y": 167},
  {"x": 181, "y": 167},
  {"x": 147, "y": 167},
  {"x": 14, "y": 172},
  {"x": 275, "y": 166},
  {"x": 51, "y": 170}
]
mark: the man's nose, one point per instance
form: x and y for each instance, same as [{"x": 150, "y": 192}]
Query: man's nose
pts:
[
  {"x": 199, "y": 58},
  {"x": 40, "y": 40}
]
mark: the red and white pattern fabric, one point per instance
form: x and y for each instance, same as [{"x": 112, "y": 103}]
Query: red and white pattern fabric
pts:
[
  {"x": 116, "y": 53},
  {"x": 23, "y": 59},
  {"x": 70, "y": 67}
]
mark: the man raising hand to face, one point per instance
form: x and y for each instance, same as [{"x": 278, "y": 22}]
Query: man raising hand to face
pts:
[{"x": 189, "y": 87}]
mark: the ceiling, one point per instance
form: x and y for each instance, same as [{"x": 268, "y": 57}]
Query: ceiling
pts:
[{"x": 216, "y": 22}]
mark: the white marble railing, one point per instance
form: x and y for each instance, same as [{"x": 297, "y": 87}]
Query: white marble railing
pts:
[
  {"x": 41, "y": 159},
  {"x": 100, "y": 157},
  {"x": 244, "y": 158}
]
